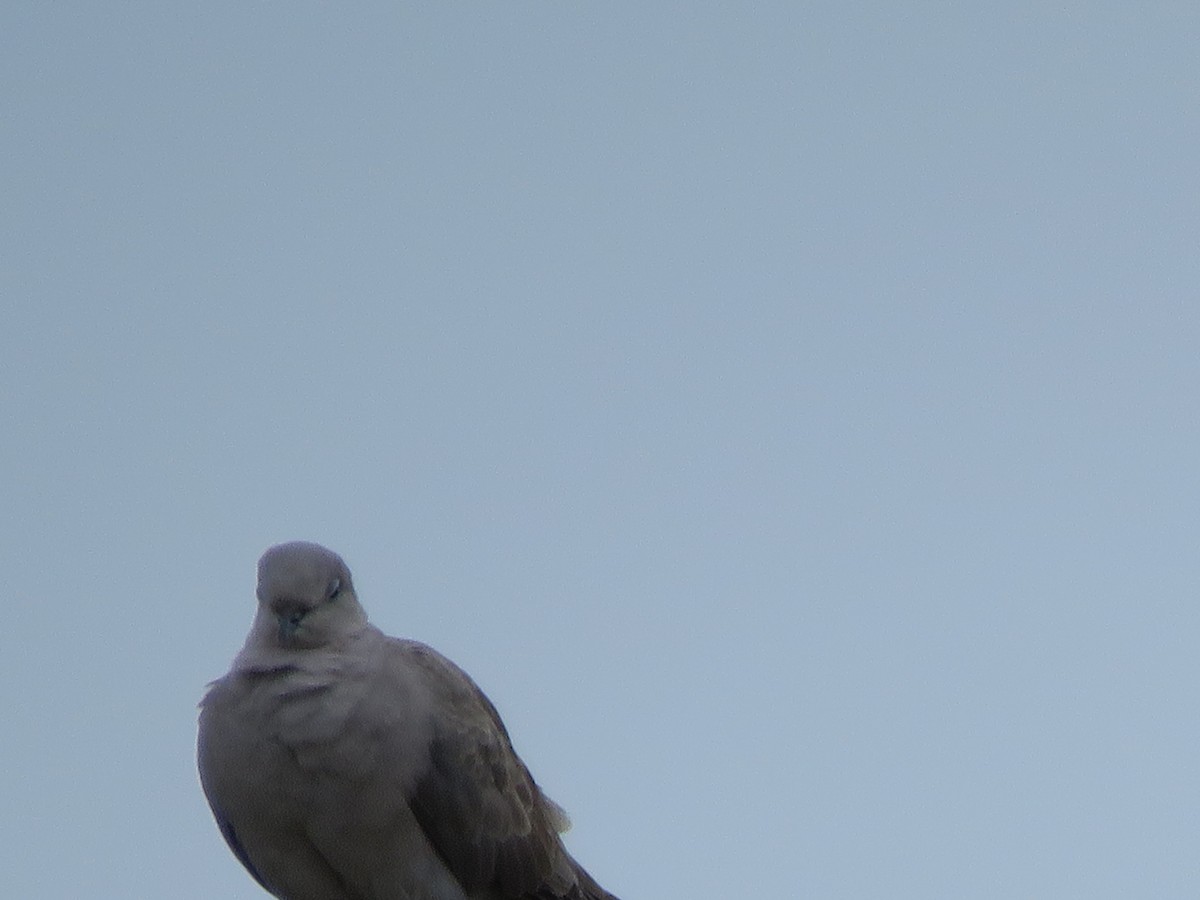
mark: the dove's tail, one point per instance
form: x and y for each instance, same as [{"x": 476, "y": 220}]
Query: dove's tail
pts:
[{"x": 588, "y": 889}]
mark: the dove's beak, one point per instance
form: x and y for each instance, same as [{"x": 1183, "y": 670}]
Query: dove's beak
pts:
[
  {"x": 288, "y": 623},
  {"x": 289, "y": 616}
]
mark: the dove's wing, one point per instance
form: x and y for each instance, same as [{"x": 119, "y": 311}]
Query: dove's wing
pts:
[{"x": 476, "y": 801}]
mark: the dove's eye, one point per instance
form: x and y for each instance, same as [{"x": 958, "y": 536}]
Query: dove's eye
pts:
[{"x": 335, "y": 588}]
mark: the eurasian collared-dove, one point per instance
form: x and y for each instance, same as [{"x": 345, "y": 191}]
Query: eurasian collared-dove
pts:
[{"x": 342, "y": 764}]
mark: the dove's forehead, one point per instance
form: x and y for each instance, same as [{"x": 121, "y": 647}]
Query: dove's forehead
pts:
[{"x": 297, "y": 569}]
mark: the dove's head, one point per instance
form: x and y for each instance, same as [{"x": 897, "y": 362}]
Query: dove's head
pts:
[{"x": 305, "y": 597}]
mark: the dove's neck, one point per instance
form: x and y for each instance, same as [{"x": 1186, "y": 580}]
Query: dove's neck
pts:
[{"x": 265, "y": 658}]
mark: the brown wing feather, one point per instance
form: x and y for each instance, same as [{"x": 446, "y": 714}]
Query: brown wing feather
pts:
[{"x": 479, "y": 806}]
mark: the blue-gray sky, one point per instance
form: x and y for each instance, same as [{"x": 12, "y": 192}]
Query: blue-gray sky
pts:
[{"x": 787, "y": 412}]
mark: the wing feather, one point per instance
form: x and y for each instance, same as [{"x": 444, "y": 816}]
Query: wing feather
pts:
[{"x": 477, "y": 803}]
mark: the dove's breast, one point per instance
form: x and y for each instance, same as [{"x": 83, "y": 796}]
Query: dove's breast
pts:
[{"x": 305, "y": 766}]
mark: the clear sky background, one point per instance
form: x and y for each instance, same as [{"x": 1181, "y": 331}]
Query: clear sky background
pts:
[{"x": 787, "y": 412}]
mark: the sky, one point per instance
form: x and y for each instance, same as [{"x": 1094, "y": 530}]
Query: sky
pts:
[{"x": 786, "y": 412}]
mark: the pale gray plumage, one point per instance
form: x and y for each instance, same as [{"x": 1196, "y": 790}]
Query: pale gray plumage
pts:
[{"x": 342, "y": 764}]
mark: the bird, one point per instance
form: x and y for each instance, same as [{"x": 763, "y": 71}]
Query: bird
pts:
[{"x": 344, "y": 764}]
